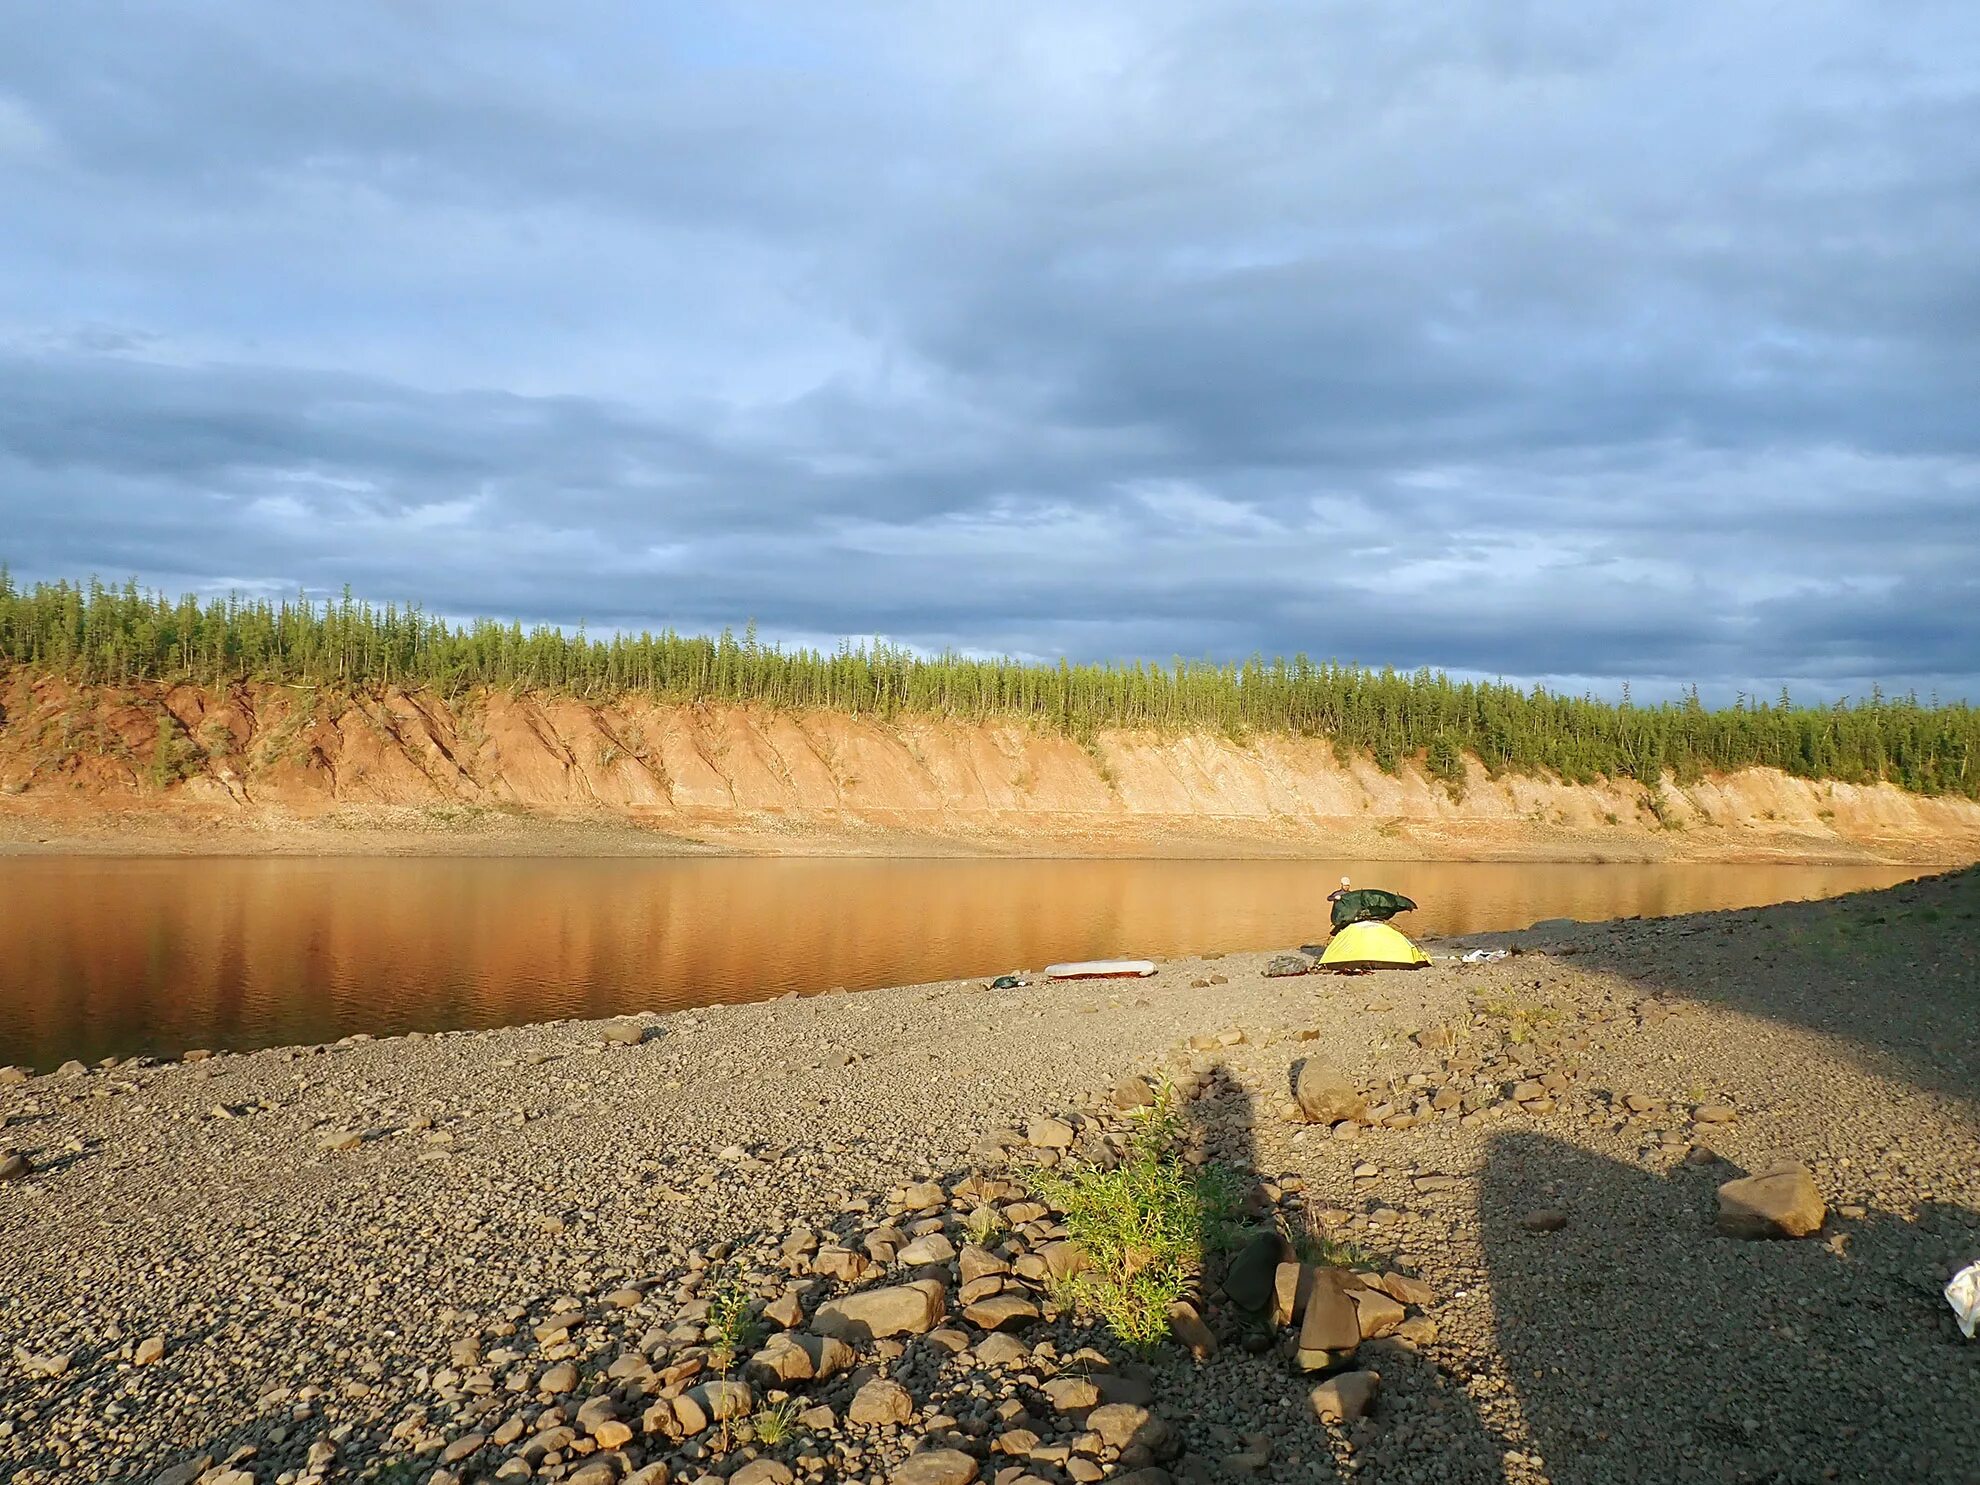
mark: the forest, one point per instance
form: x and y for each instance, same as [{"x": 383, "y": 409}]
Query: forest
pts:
[{"x": 121, "y": 635}]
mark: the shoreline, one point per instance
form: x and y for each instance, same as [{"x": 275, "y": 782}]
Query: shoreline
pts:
[
  {"x": 501, "y": 834},
  {"x": 354, "y": 1253}
]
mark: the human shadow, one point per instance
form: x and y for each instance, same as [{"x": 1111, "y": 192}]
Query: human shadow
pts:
[
  {"x": 1416, "y": 1404},
  {"x": 1645, "y": 1345}
]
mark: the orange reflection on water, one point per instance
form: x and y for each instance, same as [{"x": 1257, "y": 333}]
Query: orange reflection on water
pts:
[{"x": 105, "y": 956}]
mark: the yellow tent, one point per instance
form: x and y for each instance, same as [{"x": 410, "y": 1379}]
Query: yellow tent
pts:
[{"x": 1371, "y": 946}]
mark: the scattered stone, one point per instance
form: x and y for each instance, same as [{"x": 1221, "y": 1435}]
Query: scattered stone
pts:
[
  {"x": 1780, "y": 1202},
  {"x": 933, "y": 1248},
  {"x": 625, "y": 1033},
  {"x": 1280, "y": 966},
  {"x": 150, "y": 1349},
  {"x": 1133, "y": 1092},
  {"x": 1249, "y": 1280},
  {"x": 1344, "y": 1398},
  {"x": 340, "y": 1139},
  {"x": 1715, "y": 1113},
  {"x": 1002, "y": 1312},
  {"x": 1544, "y": 1219},
  {"x": 14, "y": 1166},
  {"x": 1188, "y": 1327},
  {"x": 1376, "y": 1313},
  {"x": 902, "y": 1309},
  {"x": 935, "y": 1467},
  {"x": 763, "y": 1472},
  {"x": 1324, "y": 1093},
  {"x": 882, "y": 1400},
  {"x": 800, "y": 1358},
  {"x": 1049, "y": 1134}
]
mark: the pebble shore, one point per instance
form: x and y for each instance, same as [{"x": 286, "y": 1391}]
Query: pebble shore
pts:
[{"x": 502, "y": 1255}]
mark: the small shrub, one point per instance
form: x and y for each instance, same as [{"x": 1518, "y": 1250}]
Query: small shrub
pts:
[
  {"x": 1145, "y": 1227},
  {"x": 733, "y": 1328}
]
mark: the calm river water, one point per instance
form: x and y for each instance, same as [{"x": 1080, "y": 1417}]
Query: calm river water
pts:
[{"x": 120, "y": 956}]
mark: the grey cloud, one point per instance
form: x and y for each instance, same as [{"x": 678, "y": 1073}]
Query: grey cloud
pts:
[{"x": 1596, "y": 342}]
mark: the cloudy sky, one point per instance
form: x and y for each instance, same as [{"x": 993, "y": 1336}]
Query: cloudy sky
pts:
[{"x": 1564, "y": 339}]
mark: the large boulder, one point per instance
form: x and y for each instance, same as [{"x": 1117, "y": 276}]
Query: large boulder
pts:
[
  {"x": 872, "y": 1314},
  {"x": 882, "y": 1400},
  {"x": 1780, "y": 1202},
  {"x": 1325, "y": 1094}
]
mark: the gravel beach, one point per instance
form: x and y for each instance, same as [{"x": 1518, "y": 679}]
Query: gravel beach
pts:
[{"x": 499, "y": 1255}]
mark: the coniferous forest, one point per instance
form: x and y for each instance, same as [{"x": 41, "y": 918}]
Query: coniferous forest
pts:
[{"x": 118, "y": 635}]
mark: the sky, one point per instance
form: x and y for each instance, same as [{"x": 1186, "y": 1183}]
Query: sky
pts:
[{"x": 1559, "y": 340}]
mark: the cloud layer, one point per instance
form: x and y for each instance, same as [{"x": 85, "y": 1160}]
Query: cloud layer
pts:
[{"x": 1580, "y": 342}]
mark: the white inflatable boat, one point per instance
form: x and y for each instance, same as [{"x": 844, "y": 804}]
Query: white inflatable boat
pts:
[{"x": 1100, "y": 969}]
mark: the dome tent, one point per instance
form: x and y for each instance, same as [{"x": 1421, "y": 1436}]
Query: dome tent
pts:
[{"x": 1366, "y": 945}]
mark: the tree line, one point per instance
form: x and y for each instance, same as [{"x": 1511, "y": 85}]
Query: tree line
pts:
[{"x": 121, "y": 635}]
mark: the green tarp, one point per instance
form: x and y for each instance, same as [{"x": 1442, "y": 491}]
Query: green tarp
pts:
[{"x": 1368, "y": 905}]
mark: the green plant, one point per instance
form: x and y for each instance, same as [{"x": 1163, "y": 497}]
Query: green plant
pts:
[
  {"x": 1145, "y": 1227},
  {"x": 1524, "y": 1019},
  {"x": 774, "y": 1425},
  {"x": 983, "y": 1224},
  {"x": 1312, "y": 1243},
  {"x": 732, "y": 1327}
]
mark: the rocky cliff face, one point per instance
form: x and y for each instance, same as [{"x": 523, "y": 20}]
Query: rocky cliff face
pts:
[{"x": 826, "y": 780}]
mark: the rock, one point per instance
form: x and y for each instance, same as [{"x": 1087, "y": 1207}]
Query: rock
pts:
[
  {"x": 1249, "y": 1279},
  {"x": 763, "y": 1472},
  {"x": 460, "y": 1448},
  {"x": 185, "y": 1472},
  {"x": 1001, "y": 1312},
  {"x": 43, "y": 1363},
  {"x": 1780, "y": 1202},
  {"x": 1064, "y": 1258},
  {"x": 14, "y": 1166},
  {"x": 1715, "y": 1113},
  {"x": 935, "y": 1467},
  {"x": 612, "y": 1434},
  {"x": 785, "y": 1310},
  {"x": 1049, "y": 1134},
  {"x": 1331, "y": 1323},
  {"x": 981, "y": 1263},
  {"x": 800, "y": 1358},
  {"x": 150, "y": 1349},
  {"x": 1377, "y": 1314},
  {"x": 883, "y": 1400},
  {"x": 934, "y": 1248},
  {"x": 1544, "y": 1219},
  {"x": 1324, "y": 1093},
  {"x": 1123, "y": 1426},
  {"x": 924, "y": 1196},
  {"x": 558, "y": 1380},
  {"x": 1344, "y": 1398},
  {"x": 625, "y": 1033},
  {"x": 11, "y": 1077},
  {"x": 1418, "y": 1330},
  {"x": 1003, "y": 1350},
  {"x": 1071, "y": 1394},
  {"x": 1133, "y": 1092},
  {"x": 1408, "y": 1291},
  {"x": 901, "y": 1309},
  {"x": 1279, "y": 966},
  {"x": 723, "y": 1401},
  {"x": 1188, "y": 1328},
  {"x": 340, "y": 1139}
]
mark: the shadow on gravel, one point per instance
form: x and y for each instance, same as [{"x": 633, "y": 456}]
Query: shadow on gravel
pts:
[
  {"x": 1894, "y": 973},
  {"x": 1646, "y": 1346},
  {"x": 1248, "y": 1408}
]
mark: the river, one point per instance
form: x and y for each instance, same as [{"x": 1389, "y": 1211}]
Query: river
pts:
[{"x": 115, "y": 957}]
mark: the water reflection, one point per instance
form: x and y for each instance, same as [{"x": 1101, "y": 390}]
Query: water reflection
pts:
[{"x": 105, "y": 956}]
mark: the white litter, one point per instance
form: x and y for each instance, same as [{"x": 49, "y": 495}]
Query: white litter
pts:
[
  {"x": 1483, "y": 956},
  {"x": 1963, "y": 1294}
]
